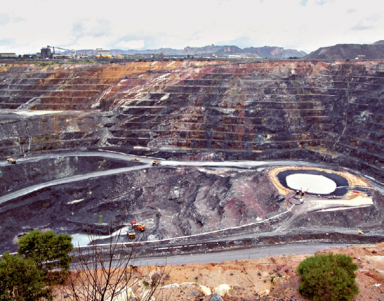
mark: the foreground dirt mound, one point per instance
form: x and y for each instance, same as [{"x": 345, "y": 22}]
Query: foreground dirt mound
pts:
[
  {"x": 272, "y": 277},
  {"x": 264, "y": 279},
  {"x": 370, "y": 276}
]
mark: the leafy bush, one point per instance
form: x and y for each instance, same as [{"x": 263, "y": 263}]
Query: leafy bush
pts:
[
  {"x": 42, "y": 262},
  {"x": 20, "y": 279},
  {"x": 328, "y": 277},
  {"x": 49, "y": 251}
]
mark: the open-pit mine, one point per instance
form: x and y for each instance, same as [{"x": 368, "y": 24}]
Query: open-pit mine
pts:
[{"x": 208, "y": 155}]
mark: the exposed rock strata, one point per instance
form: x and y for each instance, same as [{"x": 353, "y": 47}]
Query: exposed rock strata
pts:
[
  {"x": 329, "y": 112},
  {"x": 169, "y": 201},
  {"x": 323, "y": 112}
]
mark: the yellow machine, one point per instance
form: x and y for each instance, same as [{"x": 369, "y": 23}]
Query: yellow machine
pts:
[
  {"x": 140, "y": 228},
  {"x": 155, "y": 163},
  {"x": 11, "y": 160}
]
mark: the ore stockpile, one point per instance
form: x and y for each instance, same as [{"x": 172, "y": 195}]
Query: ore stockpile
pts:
[{"x": 329, "y": 113}]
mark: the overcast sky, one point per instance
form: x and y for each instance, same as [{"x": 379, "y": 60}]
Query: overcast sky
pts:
[{"x": 28, "y": 25}]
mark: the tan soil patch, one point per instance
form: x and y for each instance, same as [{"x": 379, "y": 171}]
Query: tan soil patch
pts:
[{"x": 271, "y": 276}]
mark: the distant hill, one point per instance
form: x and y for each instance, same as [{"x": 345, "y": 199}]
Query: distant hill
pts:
[
  {"x": 275, "y": 52},
  {"x": 226, "y": 50},
  {"x": 373, "y": 51},
  {"x": 266, "y": 51}
]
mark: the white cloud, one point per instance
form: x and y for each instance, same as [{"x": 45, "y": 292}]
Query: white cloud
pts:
[
  {"x": 322, "y": 2},
  {"x": 318, "y": 2},
  {"x": 4, "y": 19},
  {"x": 7, "y": 18},
  {"x": 367, "y": 23},
  {"x": 133, "y": 44},
  {"x": 91, "y": 27},
  {"x": 302, "y": 24}
]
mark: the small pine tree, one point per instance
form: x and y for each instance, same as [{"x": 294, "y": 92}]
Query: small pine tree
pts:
[
  {"x": 42, "y": 262},
  {"x": 50, "y": 252},
  {"x": 328, "y": 277},
  {"x": 20, "y": 279}
]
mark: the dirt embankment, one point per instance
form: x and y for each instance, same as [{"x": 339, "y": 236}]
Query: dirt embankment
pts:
[
  {"x": 270, "y": 278},
  {"x": 273, "y": 277}
]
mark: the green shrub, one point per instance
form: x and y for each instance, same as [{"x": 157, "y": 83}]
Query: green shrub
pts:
[
  {"x": 328, "y": 277},
  {"x": 100, "y": 219},
  {"x": 49, "y": 251},
  {"x": 20, "y": 279},
  {"x": 42, "y": 262}
]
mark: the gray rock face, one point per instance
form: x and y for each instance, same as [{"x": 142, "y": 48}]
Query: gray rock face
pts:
[
  {"x": 325, "y": 112},
  {"x": 374, "y": 51},
  {"x": 216, "y": 297},
  {"x": 330, "y": 113},
  {"x": 170, "y": 201}
]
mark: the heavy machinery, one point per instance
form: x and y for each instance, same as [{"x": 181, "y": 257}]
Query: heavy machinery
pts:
[
  {"x": 300, "y": 194},
  {"x": 155, "y": 163},
  {"x": 138, "y": 227},
  {"x": 103, "y": 56},
  {"x": 136, "y": 159},
  {"x": 132, "y": 235},
  {"x": 11, "y": 160}
]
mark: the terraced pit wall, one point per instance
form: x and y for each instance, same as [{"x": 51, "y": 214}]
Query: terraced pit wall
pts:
[{"x": 318, "y": 111}]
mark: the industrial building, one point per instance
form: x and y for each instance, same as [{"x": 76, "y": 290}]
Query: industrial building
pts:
[
  {"x": 102, "y": 52},
  {"x": 7, "y": 55},
  {"x": 46, "y": 52}
]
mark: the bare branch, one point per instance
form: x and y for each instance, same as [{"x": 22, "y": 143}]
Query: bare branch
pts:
[{"x": 106, "y": 272}]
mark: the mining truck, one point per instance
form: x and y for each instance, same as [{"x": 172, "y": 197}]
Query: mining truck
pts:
[
  {"x": 137, "y": 226},
  {"x": 11, "y": 160},
  {"x": 140, "y": 228},
  {"x": 155, "y": 163}
]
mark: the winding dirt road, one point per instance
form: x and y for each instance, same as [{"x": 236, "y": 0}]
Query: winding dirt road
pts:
[{"x": 147, "y": 164}]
